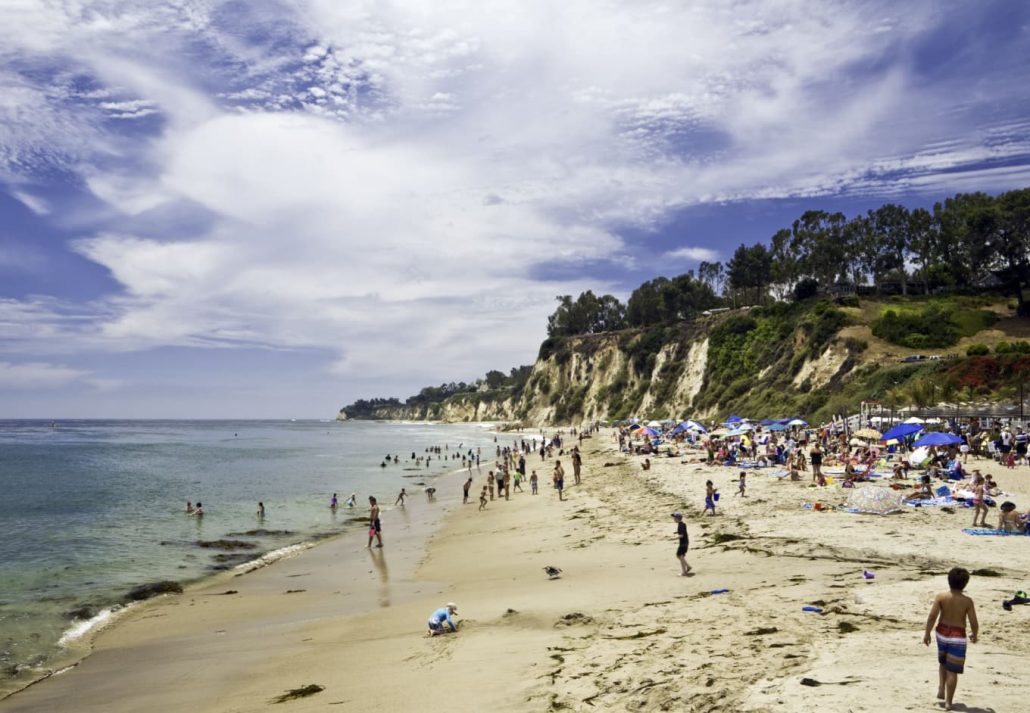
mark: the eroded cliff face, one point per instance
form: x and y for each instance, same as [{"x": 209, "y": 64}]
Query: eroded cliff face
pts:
[{"x": 691, "y": 370}]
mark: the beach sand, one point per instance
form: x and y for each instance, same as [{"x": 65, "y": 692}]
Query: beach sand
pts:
[{"x": 619, "y": 630}]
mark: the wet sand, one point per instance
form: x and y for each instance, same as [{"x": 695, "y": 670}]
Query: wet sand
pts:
[{"x": 620, "y": 629}]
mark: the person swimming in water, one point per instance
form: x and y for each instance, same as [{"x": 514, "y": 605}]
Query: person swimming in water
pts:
[{"x": 352, "y": 500}]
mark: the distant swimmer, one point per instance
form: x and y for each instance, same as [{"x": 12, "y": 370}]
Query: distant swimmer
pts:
[
  {"x": 383, "y": 464},
  {"x": 199, "y": 510},
  {"x": 189, "y": 508},
  {"x": 400, "y": 497},
  {"x": 352, "y": 500},
  {"x": 333, "y": 502}
]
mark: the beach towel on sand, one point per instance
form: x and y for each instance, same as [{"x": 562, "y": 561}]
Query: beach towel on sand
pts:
[{"x": 983, "y": 531}]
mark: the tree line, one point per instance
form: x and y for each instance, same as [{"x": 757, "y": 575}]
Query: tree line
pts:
[{"x": 968, "y": 242}]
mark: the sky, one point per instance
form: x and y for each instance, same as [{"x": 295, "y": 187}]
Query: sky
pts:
[{"x": 267, "y": 209}]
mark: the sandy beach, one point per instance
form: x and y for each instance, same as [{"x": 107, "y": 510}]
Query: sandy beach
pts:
[{"x": 619, "y": 630}]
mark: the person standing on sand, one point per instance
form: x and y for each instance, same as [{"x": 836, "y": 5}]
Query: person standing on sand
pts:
[
  {"x": 534, "y": 483},
  {"x": 482, "y": 499},
  {"x": 742, "y": 486},
  {"x": 490, "y": 482},
  {"x": 559, "y": 479},
  {"x": 400, "y": 498},
  {"x": 465, "y": 490},
  {"x": 684, "y": 543},
  {"x": 710, "y": 494},
  {"x": 815, "y": 456},
  {"x": 375, "y": 527},
  {"x": 949, "y": 612},
  {"x": 979, "y": 506},
  {"x": 577, "y": 463}
]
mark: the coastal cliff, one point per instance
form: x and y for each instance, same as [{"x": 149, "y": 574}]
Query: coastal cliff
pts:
[{"x": 815, "y": 358}]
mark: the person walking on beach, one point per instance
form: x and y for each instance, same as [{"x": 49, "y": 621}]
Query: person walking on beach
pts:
[
  {"x": 559, "y": 479},
  {"x": 534, "y": 483},
  {"x": 684, "y": 543},
  {"x": 742, "y": 485},
  {"x": 950, "y": 611},
  {"x": 465, "y": 490},
  {"x": 507, "y": 484},
  {"x": 482, "y": 499},
  {"x": 710, "y": 495},
  {"x": 490, "y": 482},
  {"x": 577, "y": 463},
  {"x": 517, "y": 481},
  {"x": 400, "y": 498},
  {"x": 375, "y": 527}
]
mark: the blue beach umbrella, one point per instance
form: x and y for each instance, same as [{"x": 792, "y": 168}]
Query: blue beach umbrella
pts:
[
  {"x": 734, "y": 419},
  {"x": 901, "y": 430},
  {"x": 777, "y": 427},
  {"x": 937, "y": 439},
  {"x": 646, "y": 432}
]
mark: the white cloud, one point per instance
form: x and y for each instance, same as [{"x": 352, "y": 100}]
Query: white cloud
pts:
[
  {"x": 391, "y": 188},
  {"x": 34, "y": 203},
  {"x": 695, "y": 254},
  {"x": 36, "y": 375}
]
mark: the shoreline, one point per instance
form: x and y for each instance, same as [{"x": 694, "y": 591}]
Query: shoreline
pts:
[
  {"x": 79, "y": 639},
  {"x": 620, "y": 628}
]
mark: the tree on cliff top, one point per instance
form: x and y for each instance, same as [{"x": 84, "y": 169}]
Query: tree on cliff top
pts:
[{"x": 588, "y": 314}]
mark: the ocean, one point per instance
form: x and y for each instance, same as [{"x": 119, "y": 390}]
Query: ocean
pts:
[{"x": 91, "y": 509}]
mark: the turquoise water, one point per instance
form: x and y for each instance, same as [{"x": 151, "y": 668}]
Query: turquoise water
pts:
[{"x": 90, "y": 509}]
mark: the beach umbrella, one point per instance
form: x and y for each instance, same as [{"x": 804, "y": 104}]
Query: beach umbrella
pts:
[
  {"x": 797, "y": 422},
  {"x": 874, "y": 500},
  {"x": 734, "y": 419},
  {"x": 694, "y": 426},
  {"x": 914, "y": 419},
  {"x": 937, "y": 439},
  {"x": 777, "y": 427},
  {"x": 653, "y": 424},
  {"x": 868, "y": 433},
  {"x": 646, "y": 432},
  {"x": 901, "y": 430}
]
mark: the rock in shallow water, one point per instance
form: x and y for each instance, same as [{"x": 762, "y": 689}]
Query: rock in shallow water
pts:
[{"x": 146, "y": 591}]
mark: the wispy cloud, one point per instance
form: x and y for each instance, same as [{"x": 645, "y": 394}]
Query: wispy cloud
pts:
[
  {"x": 694, "y": 254},
  {"x": 382, "y": 181},
  {"x": 36, "y": 375}
]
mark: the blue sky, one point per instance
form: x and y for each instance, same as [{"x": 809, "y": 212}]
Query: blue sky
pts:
[{"x": 269, "y": 209}]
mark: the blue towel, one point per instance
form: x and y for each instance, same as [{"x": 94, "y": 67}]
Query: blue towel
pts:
[{"x": 999, "y": 533}]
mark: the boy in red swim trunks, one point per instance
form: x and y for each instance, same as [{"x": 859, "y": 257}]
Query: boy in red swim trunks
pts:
[{"x": 949, "y": 612}]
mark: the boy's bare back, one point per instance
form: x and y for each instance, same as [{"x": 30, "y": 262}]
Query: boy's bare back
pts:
[{"x": 954, "y": 608}]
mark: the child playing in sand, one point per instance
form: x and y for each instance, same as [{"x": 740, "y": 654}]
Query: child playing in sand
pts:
[
  {"x": 482, "y": 499},
  {"x": 949, "y": 612},
  {"x": 710, "y": 494},
  {"x": 742, "y": 485}
]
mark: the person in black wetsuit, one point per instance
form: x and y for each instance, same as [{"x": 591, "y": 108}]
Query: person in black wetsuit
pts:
[{"x": 684, "y": 543}]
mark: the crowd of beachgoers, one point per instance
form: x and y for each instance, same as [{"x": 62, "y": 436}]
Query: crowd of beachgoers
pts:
[{"x": 926, "y": 463}]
